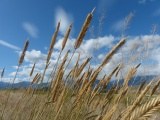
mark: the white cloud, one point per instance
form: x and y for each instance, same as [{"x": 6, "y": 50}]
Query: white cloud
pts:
[
  {"x": 10, "y": 80},
  {"x": 65, "y": 18},
  {"x": 101, "y": 56},
  {"x": 9, "y": 45},
  {"x": 144, "y": 48},
  {"x": 15, "y": 67},
  {"x": 34, "y": 56},
  {"x": 40, "y": 57},
  {"x": 133, "y": 52},
  {"x": 31, "y": 29},
  {"x": 88, "y": 45},
  {"x": 157, "y": 12},
  {"x": 69, "y": 44},
  {"x": 25, "y": 72}
]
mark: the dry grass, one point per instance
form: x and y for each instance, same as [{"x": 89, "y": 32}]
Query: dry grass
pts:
[{"x": 74, "y": 96}]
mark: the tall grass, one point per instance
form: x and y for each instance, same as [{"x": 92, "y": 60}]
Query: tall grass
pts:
[{"x": 74, "y": 96}]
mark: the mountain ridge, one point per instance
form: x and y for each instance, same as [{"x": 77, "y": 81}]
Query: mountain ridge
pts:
[{"x": 133, "y": 82}]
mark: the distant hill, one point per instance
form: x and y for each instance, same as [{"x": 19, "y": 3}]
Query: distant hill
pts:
[
  {"x": 24, "y": 84},
  {"x": 133, "y": 82}
]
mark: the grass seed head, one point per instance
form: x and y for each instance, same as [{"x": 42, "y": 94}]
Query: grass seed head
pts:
[
  {"x": 83, "y": 30},
  {"x": 66, "y": 36},
  {"x": 23, "y": 53},
  {"x": 2, "y": 73},
  {"x": 52, "y": 43},
  {"x": 32, "y": 69},
  {"x": 112, "y": 52}
]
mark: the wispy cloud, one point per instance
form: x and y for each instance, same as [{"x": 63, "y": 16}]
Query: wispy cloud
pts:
[
  {"x": 145, "y": 1},
  {"x": 105, "y": 4},
  {"x": 65, "y": 18},
  {"x": 157, "y": 12},
  {"x": 118, "y": 25},
  {"x": 9, "y": 45},
  {"x": 31, "y": 29},
  {"x": 142, "y": 1},
  {"x": 45, "y": 47}
]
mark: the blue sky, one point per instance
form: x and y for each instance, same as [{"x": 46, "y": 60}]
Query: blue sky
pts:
[{"x": 37, "y": 19}]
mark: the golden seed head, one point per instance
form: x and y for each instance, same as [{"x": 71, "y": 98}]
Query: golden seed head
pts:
[
  {"x": 52, "y": 43},
  {"x": 66, "y": 36},
  {"x": 83, "y": 30},
  {"x": 112, "y": 52}
]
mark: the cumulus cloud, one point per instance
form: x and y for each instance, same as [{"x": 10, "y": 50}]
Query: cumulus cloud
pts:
[
  {"x": 34, "y": 56},
  {"x": 9, "y": 45},
  {"x": 65, "y": 18},
  {"x": 25, "y": 72},
  {"x": 144, "y": 49},
  {"x": 69, "y": 44},
  {"x": 106, "y": 41},
  {"x": 40, "y": 58},
  {"x": 31, "y": 29}
]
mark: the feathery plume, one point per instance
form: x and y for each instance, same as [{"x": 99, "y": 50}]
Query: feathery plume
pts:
[
  {"x": 23, "y": 53},
  {"x": 146, "y": 110},
  {"x": 32, "y": 69},
  {"x": 136, "y": 102}
]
